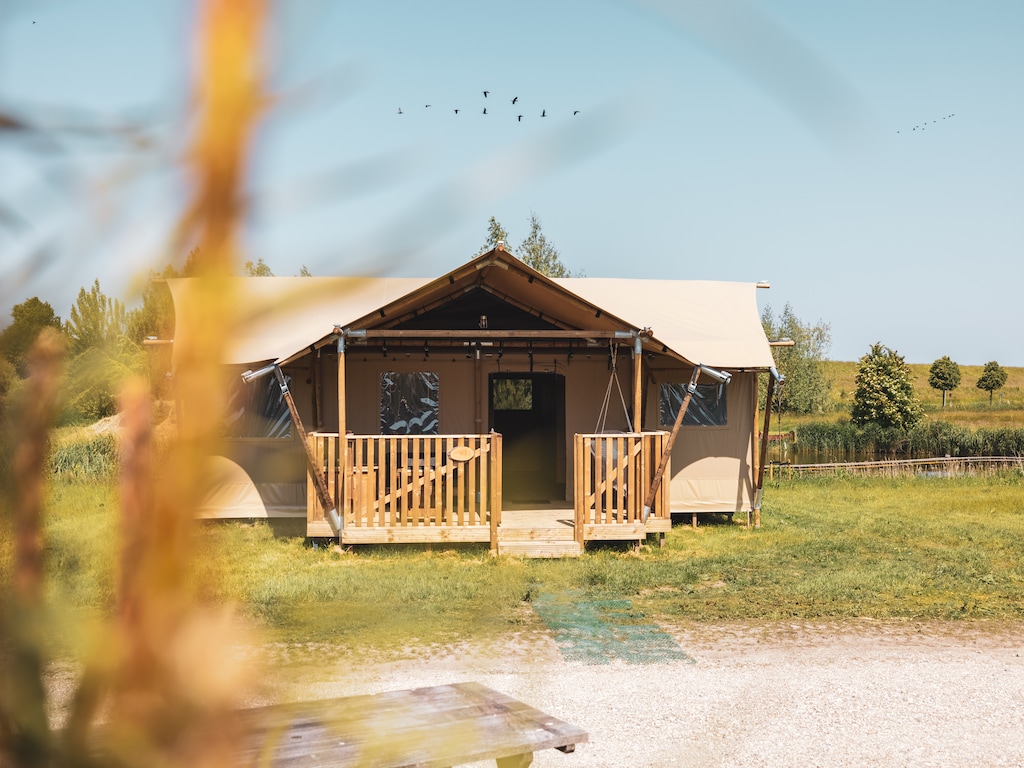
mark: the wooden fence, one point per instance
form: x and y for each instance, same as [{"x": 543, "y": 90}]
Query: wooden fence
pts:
[
  {"x": 947, "y": 465},
  {"x": 613, "y": 475},
  {"x": 415, "y": 488}
]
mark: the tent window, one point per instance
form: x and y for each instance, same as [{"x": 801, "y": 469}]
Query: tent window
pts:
[
  {"x": 408, "y": 403},
  {"x": 257, "y": 409},
  {"x": 512, "y": 394},
  {"x": 707, "y": 406}
]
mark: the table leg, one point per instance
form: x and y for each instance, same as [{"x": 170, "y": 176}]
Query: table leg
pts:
[{"x": 516, "y": 761}]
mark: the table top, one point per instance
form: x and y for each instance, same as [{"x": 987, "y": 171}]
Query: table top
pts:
[{"x": 441, "y": 725}]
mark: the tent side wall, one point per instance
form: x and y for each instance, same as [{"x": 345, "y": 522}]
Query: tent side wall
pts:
[
  {"x": 262, "y": 477},
  {"x": 712, "y": 466}
]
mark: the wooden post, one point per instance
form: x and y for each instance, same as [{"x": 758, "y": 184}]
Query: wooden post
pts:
[
  {"x": 343, "y": 480},
  {"x": 495, "y": 461},
  {"x": 477, "y": 393},
  {"x": 764, "y": 451},
  {"x": 638, "y": 385}
]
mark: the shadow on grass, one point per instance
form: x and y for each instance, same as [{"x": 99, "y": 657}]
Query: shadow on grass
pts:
[{"x": 684, "y": 520}]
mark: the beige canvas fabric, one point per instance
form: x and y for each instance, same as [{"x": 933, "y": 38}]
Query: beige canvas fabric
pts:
[
  {"x": 281, "y": 316},
  {"x": 715, "y": 323},
  {"x": 709, "y": 322}
]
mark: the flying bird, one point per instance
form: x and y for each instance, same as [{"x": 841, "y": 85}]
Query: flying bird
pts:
[
  {"x": 485, "y": 110},
  {"x": 515, "y": 99},
  {"x": 399, "y": 110},
  {"x": 426, "y": 106},
  {"x": 520, "y": 118},
  {"x": 543, "y": 113},
  {"x": 485, "y": 94},
  {"x": 456, "y": 111},
  {"x": 575, "y": 111}
]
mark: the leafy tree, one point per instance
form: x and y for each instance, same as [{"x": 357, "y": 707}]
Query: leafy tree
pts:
[
  {"x": 29, "y": 317},
  {"x": 304, "y": 272},
  {"x": 538, "y": 253},
  {"x": 101, "y": 355},
  {"x": 885, "y": 393},
  {"x": 535, "y": 250},
  {"x": 808, "y": 388},
  {"x": 992, "y": 378},
  {"x": 259, "y": 269},
  {"x": 96, "y": 321},
  {"x": 944, "y": 375},
  {"x": 495, "y": 234},
  {"x": 8, "y": 378},
  {"x": 156, "y": 315}
]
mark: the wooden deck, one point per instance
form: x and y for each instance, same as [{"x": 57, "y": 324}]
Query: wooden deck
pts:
[{"x": 426, "y": 489}]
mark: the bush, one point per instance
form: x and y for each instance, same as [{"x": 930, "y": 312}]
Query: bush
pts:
[{"x": 85, "y": 456}]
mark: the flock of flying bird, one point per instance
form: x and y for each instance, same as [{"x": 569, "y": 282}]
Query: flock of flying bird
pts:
[
  {"x": 925, "y": 124},
  {"x": 515, "y": 100}
]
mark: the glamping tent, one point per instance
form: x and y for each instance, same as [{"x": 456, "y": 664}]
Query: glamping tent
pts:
[{"x": 404, "y": 409}]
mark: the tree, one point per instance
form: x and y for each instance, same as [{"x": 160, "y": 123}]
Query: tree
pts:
[
  {"x": 156, "y": 315},
  {"x": 259, "y": 269},
  {"x": 992, "y": 378},
  {"x": 96, "y": 321},
  {"x": 944, "y": 375},
  {"x": 885, "y": 393},
  {"x": 808, "y": 388},
  {"x": 537, "y": 252},
  {"x": 29, "y": 317},
  {"x": 495, "y": 234}
]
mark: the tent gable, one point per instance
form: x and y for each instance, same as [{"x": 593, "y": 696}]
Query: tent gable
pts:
[{"x": 476, "y": 308}]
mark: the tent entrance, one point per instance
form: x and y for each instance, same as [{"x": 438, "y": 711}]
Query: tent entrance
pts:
[{"x": 528, "y": 409}]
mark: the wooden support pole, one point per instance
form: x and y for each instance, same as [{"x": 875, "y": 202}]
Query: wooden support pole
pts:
[
  {"x": 343, "y": 484},
  {"x": 764, "y": 450},
  {"x": 322, "y": 492},
  {"x": 638, "y": 385},
  {"x": 478, "y": 409}
]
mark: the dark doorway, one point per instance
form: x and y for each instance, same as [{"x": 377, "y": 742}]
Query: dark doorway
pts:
[{"x": 528, "y": 409}]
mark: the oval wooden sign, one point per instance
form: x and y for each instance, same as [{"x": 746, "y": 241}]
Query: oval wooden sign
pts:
[{"x": 462, "y": 453}]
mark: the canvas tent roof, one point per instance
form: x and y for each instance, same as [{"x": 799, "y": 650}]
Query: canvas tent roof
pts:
[{"x": 715, "y": 323}]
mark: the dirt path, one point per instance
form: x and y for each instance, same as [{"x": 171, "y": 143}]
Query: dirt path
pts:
[
  {"x": 855, "y": 693},
  {"x": 861, "y": 693}
]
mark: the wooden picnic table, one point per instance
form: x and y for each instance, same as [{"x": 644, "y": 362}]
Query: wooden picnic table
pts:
[{"x": 438, "y": 726}]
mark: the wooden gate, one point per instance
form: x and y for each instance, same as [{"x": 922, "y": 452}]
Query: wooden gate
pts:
[
  {"x": 613, "y": 475},
  {"x": 415, "y": 488}
]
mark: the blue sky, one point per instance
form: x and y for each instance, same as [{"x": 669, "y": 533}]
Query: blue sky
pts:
[{"x": 735, "y": 140}]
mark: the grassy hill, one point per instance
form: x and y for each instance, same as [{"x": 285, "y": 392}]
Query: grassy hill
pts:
[{"x": 966, "y": 405}]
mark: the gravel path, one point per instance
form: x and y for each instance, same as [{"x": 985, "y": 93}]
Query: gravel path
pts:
[{"x": 845, "y": 694}]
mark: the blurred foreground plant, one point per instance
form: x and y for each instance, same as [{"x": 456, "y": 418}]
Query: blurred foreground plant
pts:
[{"x": 159, "y": 675}]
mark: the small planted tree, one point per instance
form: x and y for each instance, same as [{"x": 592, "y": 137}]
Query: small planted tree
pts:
[
  {"x": 993, "y": 377},
  {"x": 884, "y": 393},
  {"x": 944, "y": 375}
]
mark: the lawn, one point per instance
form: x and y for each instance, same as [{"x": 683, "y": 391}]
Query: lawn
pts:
[{"x": 836, "y": 548}]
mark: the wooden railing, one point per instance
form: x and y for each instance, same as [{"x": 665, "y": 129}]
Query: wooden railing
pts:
[
  {"x": 613, "y": 475},
  {"x": 416, "y": 488}
]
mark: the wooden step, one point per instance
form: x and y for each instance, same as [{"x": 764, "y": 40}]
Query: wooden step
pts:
[
  {"x": 540, "y": 548},
  {"x": 559, "y": 533}
]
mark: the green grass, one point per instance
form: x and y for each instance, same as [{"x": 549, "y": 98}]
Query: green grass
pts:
[{"x": 829, "y": 548}]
